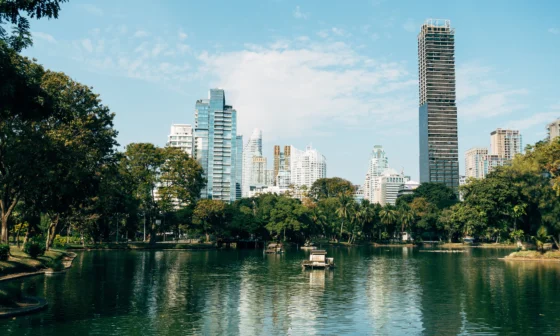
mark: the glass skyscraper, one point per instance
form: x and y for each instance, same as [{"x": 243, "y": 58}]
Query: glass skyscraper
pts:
[
  {"x": 216, "y": 145},
  {"x": 439, "y": 152}
]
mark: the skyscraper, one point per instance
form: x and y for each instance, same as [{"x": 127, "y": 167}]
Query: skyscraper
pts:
[
  {"x": 252, "y": 149},
  {"x": 439, "y": 150},
  {"x": 181, "y": 136},
  {"x": 216, "y": 145},
  {"x": 505, "y": 143},
  {"x": 377, "y": 164}
]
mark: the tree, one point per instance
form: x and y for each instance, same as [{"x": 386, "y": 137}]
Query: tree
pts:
[
  {"x": 330, "y": 187},
  {"x": 11, "y": 13},
  {"x": 209, "y": 215},
  {"x": 436, "y": 193},
  {"x": 406, "y": 217},
  {"x": 344, "y": 209},
  {"x": 143, "y": 161},
  {"x": 388, "y": 216}
]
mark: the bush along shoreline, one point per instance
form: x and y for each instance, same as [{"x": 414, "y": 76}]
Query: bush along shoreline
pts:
[{"x": 31, "y": 260}]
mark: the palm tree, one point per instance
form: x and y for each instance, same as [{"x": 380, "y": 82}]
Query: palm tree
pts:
[
  {"x": 344, "y": 209},
  {"x": 388, "y": 216},
  {"x": 541, "y": 238},
  {"x": 407, "y": 217}
]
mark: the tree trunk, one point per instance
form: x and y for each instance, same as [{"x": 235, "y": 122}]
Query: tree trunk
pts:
[
  {"x": 5, "y": 214},
  {"x": 17, "y": 236},
  {"x": 51, "y": 231},
  {"x": 207, "y": 237},
  {"x": 341, "y": 226}
]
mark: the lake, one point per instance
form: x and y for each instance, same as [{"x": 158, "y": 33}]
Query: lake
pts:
[{"x": 373, "y": 291}]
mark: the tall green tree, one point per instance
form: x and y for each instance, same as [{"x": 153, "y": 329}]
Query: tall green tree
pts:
[
  {"x": 330, "y": 187},
  {"x": 210, "y": 217},
  {"x": 143, "y": 161},
  {"x": 344, "y": 210}
]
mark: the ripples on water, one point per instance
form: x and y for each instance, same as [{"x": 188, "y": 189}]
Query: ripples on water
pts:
[{"x": 373, "y": 291}]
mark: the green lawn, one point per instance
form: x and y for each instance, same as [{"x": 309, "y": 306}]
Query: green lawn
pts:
[{"x": 19, "y": 262}]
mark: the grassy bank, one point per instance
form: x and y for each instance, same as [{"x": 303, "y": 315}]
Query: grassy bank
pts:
[
  {"x": 20, "y": 262},
  {"x": 534, "y": 255}
]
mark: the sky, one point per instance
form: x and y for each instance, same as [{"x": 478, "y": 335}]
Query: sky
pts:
[{"x": 341, "y": 76}]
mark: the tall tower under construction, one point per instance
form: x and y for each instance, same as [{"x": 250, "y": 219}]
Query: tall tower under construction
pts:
[{"x": 439, "y": 149}]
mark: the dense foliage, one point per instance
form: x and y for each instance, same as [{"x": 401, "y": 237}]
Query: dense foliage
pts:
[{"x": 4, "y": 252}]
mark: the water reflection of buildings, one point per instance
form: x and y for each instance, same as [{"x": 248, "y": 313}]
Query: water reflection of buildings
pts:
[{"x": 394, "y": 293}]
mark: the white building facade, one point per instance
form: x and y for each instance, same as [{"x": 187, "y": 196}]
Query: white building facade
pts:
[
  {"x": 307, "y": 166},
  {"x": 181, "y": 136},
  {"x": 474, "y": 162},
  {"x": 390, "y": 183}
]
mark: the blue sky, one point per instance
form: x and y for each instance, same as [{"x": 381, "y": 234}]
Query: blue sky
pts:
[{"x": 340, "y": 75}]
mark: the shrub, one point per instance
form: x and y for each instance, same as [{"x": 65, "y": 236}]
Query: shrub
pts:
[
  {"x": 4, "y": 252},
  {"x": 56, "y": 265},
  {"x": 34, "y": 248}
]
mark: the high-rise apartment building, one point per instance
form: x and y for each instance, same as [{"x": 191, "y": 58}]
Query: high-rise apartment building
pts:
[
  {"x": 281, "y": 163},
  {"x": 505, "y": 143},
  {"x": 474, "y": 162},
  {"x": 252, "y": 149},
  {"x": 181, "y": 136},
  {"x": 439, "y": 149},
  {"x": 307, "y": 166},
  {"x": 378, "y": 163},
  {"x": 258, "y": 177},
  {"x": 553, "y": 129},
  {"x": 216, "y": 148}
]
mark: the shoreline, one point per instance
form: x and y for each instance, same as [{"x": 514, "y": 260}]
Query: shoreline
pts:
[{"x": 66, "y": 257}]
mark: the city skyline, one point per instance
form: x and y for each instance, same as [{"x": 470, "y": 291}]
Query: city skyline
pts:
[{"x": 294, "y": 75}]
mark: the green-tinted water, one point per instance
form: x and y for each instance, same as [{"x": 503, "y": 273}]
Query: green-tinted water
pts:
[{"x": 386, "y": 291}]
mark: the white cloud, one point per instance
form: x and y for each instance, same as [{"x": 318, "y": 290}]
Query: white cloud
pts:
[
  {"x": 323, "y": 34},
  {"x": 538, "y": 119},
  {"x": 338, "y": 31},
  {"x": 479, "y": 95},
  {"x": 183, "y": 35},
  {"x": 141, "y": 33},
  {"x": 554, "y": 31},
  {"x": 298, "y": 14},
  {"x": 409, "y": 26},
  {"x": 289, "y": 90},
  {"x": 86, "y": 44},
  {"x": 92, "y": 9},
  {"x": 44, "y": 36}
]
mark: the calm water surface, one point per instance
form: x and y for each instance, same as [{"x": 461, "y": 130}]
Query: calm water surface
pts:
[{"x": 373, "y": 291}]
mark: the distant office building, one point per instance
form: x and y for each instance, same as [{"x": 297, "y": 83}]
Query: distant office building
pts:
[
  {"x": 252, "y": 149},
  {"x": 505, "y": 143},
  {"x": 215, "y": 140},
  {"x": 281, "y": 160},
  {"x": 239, "y": 168},
  {"x": 378, "y": 163},
  {"x": 474, "y": 162},
  {"x": 259, "y": 171},
  {"x": 390, "y": 183},
  {"x": 553, "y": 129},
  {"x": 269, "y": 177},
  {"x": 439, "y": 146},
  {"x": 463, "y": 180},
  {"x": 181, "y": 136},
  {"x": 408, "y": 187}
]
